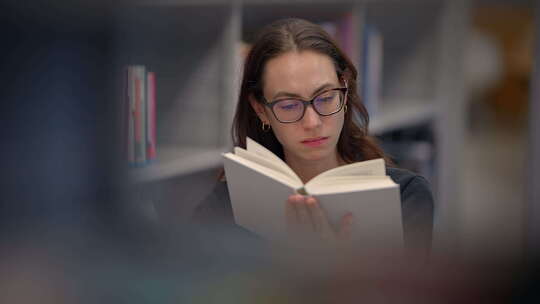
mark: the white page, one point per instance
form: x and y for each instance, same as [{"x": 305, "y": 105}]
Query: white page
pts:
[
  {"x": 269, "y": 163},
  {"x": 374, "y": 167},
  {"x": 275, "y": 175},
  {"x": 335, "y": 184},
  {"x": 255, "y": 147}
]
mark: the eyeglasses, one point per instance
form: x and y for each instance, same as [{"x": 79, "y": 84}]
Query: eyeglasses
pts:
[{"x": 291, "y": 110}]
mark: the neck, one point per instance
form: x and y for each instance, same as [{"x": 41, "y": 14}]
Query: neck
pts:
[{"x": 308, "y": 169}]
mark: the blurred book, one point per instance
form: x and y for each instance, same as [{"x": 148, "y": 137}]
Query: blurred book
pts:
[
  {"x": 141, "y": 115},
  {"x": 345, "y": 32},
  {"x": 151, "y": 117}
]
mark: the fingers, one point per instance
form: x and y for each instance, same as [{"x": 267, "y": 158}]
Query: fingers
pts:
[
  {"x": 298, "y": 217},
  {"x": 345, "y": 226},
  {"x": 305, "y": 215},
  {"x": 290, "y": 212},
  {"x": 318, "y": 216},
  {"x": 302, "y": 212}
]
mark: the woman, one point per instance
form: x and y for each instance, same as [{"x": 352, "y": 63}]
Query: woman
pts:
[{"x": 297, "y": 98}]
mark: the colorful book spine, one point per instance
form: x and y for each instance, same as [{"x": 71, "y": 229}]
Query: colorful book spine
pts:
[
  {"x": 331, "y": 29},
  {"x": 138, "y": 102},
  {"x": 140, "y": 118},
  {"x": 151, "y": 117},
  {"x": 345, "y": 34},
  {"x": 144, "y": 102},
  {"x": 130, "y": 117}
]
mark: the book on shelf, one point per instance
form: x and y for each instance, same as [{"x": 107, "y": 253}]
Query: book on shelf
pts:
[
  {"x": 345, "y": 32},
  {"x": 129, "y": 118},
  {"x": 372, "y": 69},
  {"x": 141, "y": 115},
  {"x": 260, "y": 183},
  {"x": 349, "y": 35},
  {"x": 151, "y": 117}
]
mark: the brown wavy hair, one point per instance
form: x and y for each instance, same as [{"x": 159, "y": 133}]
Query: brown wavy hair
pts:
[{"x": 294, "y": 34}]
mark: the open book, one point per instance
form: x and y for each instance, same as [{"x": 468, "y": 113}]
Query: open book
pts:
[{"x": 260, "y": 182}]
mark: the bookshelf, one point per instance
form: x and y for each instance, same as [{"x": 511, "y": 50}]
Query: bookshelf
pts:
[
  {"x": 193, "y": 47},
  {"x": 188, "y": 47},
  {"x": 407, "y": 113}
]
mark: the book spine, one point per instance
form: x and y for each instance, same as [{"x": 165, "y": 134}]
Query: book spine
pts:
[
  {"x": 144, "y": 127},
  {"x": 151, "y": 117},
  {"x": 331, "y": 29},
  {"x": 346, "y": 34},
  {"x": 130, "y": 115},
  {"x": 140, "y": 124}
]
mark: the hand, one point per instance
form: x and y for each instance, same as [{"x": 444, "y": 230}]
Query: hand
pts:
[{"x": 307, "y": 220}]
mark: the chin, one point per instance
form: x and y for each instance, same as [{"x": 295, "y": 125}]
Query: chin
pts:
[{"x": 315, "y": 155}]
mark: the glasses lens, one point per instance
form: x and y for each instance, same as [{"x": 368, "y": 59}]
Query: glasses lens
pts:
[
  {"x": 288, "y": 110},
  {"x": 328, "y": 102}
]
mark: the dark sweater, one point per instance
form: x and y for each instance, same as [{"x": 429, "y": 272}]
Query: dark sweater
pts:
[{"x": 416, "y": 202}]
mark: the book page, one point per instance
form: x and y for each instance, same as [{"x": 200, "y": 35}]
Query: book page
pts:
[
  {"x": 336, "y": 184},
  {"x": 266, "y": 162},
  {"x": 273, "y": 174},
  {"x": 374, "y": 167},
  {"x": 255, "y": 147}
]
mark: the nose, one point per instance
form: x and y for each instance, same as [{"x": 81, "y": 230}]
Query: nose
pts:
[{"x": 311, "y": 119}]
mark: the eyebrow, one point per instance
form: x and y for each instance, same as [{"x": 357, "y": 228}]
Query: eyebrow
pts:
[{"x": 287, "y": 94}]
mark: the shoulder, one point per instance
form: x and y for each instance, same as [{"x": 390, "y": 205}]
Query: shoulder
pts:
[
  {"x": 417, "y": 206},
  {"x": 415, "y": 190},
  {"x": 409, "y": 182}
]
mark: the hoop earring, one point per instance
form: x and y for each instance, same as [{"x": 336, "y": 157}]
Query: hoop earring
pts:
[
  {"x": 345, "y": 109},
  {"x": 265, "y": 127}
]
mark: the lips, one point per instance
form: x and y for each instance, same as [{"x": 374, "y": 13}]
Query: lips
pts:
[{"x": 314, "y": 142}]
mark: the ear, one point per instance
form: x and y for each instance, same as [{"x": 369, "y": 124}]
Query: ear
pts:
[{"x": 259, "y": 109}]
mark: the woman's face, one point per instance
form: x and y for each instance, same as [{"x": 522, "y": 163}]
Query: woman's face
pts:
[{"x": 302, "y": 74}]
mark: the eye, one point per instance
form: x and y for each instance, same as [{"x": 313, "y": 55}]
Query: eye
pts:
[
  {"x": 288, "y": 105},
  {"x": 326, "y": 97}
]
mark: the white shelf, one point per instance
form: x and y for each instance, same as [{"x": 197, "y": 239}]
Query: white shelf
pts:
[
  {"x": 405, "y": 114},
  {"x": 177, "y": 161}
]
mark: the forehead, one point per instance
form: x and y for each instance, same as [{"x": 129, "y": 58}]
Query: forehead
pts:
[{"x": 298, "y": 72}]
